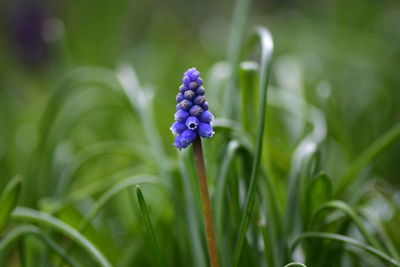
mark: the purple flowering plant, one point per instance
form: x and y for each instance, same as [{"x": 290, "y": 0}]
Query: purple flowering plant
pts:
[{"x": 192, "y": 117}]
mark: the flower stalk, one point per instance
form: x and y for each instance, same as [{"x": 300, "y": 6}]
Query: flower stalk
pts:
[
  {"x": 193, "y": 121},
  {"x": 205, "y": 202}
]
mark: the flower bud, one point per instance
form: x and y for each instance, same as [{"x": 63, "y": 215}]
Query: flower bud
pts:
[
  {"x": 200, "y": 90},
  {"x": 185, "y": 139},
  {"x": 185, "y": 80},
  {"x": 195, "y": 110},
  {"x": 194, "y": 75},
  {"x": 178, "y": 127},
  {"x": 182, "y": 88},
  {"x": 198, "y": 100},
  {"x": 206, "y": 116},
  {"x": 205, "y": 130},
  {"x": 199, "y": 81},
  {"x": 193, "y": 85},
  {"x": 189, "y": 94},
  {"x": 185, "y": 104},
  {"x": 204, "y": 106},
  {"x": 179, "y": 97},
  {"x": 181, "y": 115}
]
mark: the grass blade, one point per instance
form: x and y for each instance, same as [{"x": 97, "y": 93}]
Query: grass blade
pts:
[
  {"x": 148, "y": 224},
  {"x": 30, "y": 215},
  {"x": 295, "y": 264},
  {"x": 25, "y": 230},
  {"x": 377, "y": 147},
  {"x": 347, "y": 240},
  {"x": 233, "y": 146},
  {"x": 340, "y": 205},
  {"x": 235, "y": 43},
  {"x": 113, "y": 191},
  {"x": 8, "y": 200},
  {"x": 266, "y": 53}
]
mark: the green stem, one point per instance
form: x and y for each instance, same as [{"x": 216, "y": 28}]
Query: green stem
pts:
[{"x": 205, "y": 202}]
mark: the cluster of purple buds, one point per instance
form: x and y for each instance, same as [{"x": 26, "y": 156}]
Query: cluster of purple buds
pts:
[{"x": 192, "y": 117}]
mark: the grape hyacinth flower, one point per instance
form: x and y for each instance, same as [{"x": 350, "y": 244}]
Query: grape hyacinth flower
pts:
[
  {"x": 192, "y": 121},
  {"x": 192, "y": 117}
]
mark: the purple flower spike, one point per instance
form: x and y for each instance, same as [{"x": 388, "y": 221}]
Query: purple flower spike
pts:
[
  {"x": 178, "y": 127},
  {"x": 205, "y": 130},
  {"x": 192, "y": 122},
  {"x": 191, "y": 118}
]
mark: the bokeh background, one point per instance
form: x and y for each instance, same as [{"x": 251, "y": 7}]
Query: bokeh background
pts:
[{"x": 341, "y": 56}]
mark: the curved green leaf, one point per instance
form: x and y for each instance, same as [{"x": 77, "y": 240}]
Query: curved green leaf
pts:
[
  {"x": 346, "y": 240},
  {"x": 24, "y": 230},
  {"x": 266, "y": 44},
  {"x": 295, "y": 264},
  {"x": 377, "y": 147},
  {"x": 113, "y": 191},
  {"x": 8, "y": 200},
  {"x": 148, "y": 224},
  {"x": 30, "y": 215},
  {"x": 318, "y": 192},
  {"x": 340, "y": 205}
]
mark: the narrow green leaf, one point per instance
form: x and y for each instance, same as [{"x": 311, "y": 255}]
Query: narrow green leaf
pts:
[
  {"x": 113, "y": 191},
  {"x": 222, "y": 180},
  {"x": 266, "y": 44},
  {"x": 340, "y": 205},
  {"x": 230, "y": 153},
  {"x": 248, "y": 74},
  {"x": 318, "y": 192},
  {"x": 295, "y": 264},
  {"x": 346, "y": 240},
  {"x": 235, "y": 43},
  {"x": 377, "y": 147},
  {"x": 33, "y": 216},
  {"x": 148, "y": 224},
  {"x": 8, "y": 200},
  {"x": 384, "y": 236},
  {"x": 25, "y": 230}
]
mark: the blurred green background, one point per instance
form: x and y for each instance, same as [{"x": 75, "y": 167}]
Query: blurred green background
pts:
[
  {"x": 348, "y": 50},
  {"x": 341, "y": 56}
]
